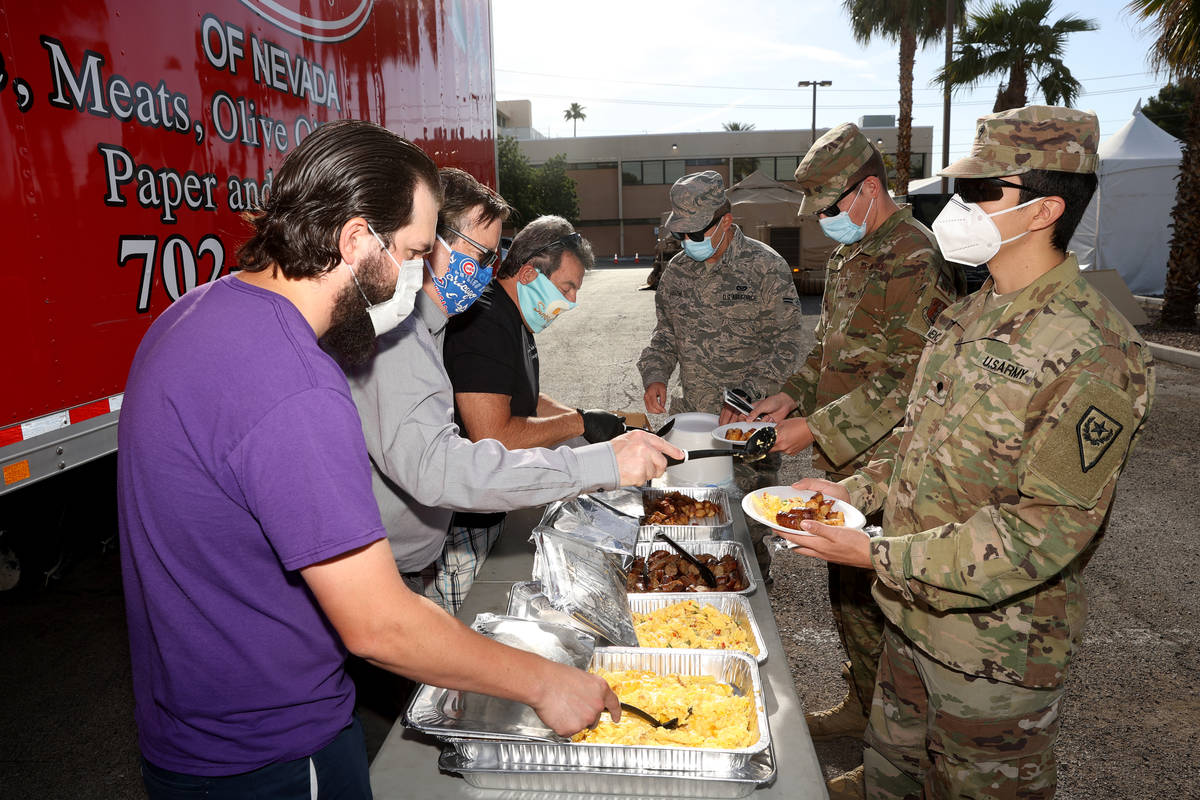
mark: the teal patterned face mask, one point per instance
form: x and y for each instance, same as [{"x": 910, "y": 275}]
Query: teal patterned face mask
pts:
[{"x": 541, "y": 302}]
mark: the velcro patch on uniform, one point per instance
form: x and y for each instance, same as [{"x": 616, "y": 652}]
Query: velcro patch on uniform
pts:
[
  {"x": 936, "y": 307},
  {"x": 934, "y": 334},
  {"x": 1088, "y": 444},
  {"x": 1005, "y": 367}
]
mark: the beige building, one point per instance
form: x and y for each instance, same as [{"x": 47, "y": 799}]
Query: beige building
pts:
[{"x": 623, "y": 181}]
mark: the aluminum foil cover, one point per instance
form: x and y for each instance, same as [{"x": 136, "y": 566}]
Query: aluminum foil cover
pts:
[
  {"x": 584, "y": 583},
  {"x": 718, "y": 527},
  {"x": 449, "y": 712},
  {"x": 737, "y": 669},
  {"x": 592, "y": 523}
]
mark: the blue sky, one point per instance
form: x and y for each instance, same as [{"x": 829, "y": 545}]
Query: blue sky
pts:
[{"x": 663, "y": 66}]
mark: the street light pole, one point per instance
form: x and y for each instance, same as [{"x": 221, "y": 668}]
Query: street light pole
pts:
[{"x": 814, "y": 85}]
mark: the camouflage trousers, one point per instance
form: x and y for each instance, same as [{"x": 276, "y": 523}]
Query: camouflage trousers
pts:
[
  {"x": 859, "y": 624},
  {"x": 937, "y": 733},
  {"x": 857, "y": 618}
]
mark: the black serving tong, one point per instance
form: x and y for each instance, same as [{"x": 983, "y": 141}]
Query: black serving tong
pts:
[
  {"x": 670, "y": 724},
  {"x": 755, "y": 449},
  {"x": 706, "y": 574},
  {"x": 663, "y": 431}
]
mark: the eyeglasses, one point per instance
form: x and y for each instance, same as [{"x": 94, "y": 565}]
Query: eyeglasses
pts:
[
  {"x": 833, "y": 209},
  {"x": 576, "y": 237},
  {"x": 698, "y": 236},
  {"x": 987, "y": 190},
  {"x": 489, "y": 257}
]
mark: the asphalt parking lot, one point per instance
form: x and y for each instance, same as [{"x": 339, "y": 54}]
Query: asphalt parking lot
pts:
[{"x": 1130, "y": 722}]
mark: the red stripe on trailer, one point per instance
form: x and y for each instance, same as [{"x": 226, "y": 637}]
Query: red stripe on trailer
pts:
[
  {"x": 88, "y": 410},
  {"x": 10, "y": 435}
]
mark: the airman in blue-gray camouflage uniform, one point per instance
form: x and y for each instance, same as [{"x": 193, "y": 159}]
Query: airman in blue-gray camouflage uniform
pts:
[{"x": 728, "y": 313}]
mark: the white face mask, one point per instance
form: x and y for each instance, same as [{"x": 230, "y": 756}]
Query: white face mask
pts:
[
  {"x": 966, "y": 233},
  {"x": 391, "y": 312}
]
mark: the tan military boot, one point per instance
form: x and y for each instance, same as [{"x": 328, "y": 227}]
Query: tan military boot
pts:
[
  {"x": 848, "y": 785},
  {"x": 847, "y": 718}
]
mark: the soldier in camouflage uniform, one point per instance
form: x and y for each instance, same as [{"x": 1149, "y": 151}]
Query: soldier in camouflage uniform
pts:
[
  {"x": 995, "y": 490},
  {"x": 882, "y": 291},
  {"x": 728, "y": 314}
]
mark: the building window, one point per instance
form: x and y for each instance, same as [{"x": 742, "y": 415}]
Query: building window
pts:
[
  {"x": 785, "y": 167},
  {"x": 631, "y": 173},
  {"x": 743, "y": 167},
  {"x": 673, "y": 170},
  {"x": 704, "y": 162},
  {"x": 652, "y": 172}
]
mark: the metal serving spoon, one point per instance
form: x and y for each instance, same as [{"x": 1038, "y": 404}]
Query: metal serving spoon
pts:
[{"x": 755, "y": 449}]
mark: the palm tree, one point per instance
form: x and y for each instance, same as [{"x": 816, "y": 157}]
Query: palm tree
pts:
[
  {"x": 1176, "y": 23},
  {"x": 574, "y": 114},
  {"x": 1016, "y": 41},
  {"x": 738, "y": 126},
  {"x": 907, "y": 22}
]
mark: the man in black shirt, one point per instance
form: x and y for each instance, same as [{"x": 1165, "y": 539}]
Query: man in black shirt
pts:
[{"x": 492, "y": 361}]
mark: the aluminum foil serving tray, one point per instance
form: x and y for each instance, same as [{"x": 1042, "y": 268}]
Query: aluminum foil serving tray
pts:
[
  {"x": 525, "y": 599},
  {"x": 696, "y": 546},
  {"x": 735, "y": 605},
  {"x": 718, "y": 527},
  {"x": 737, "y": 669},
  {"x": 487, "y": 773}
]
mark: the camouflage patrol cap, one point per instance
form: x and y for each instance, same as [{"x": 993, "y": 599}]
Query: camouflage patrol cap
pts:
[
  {"x": 1034, "y": 137},
  {"x": 695, "y": 200},
  {"x": 830, "y": 164}
]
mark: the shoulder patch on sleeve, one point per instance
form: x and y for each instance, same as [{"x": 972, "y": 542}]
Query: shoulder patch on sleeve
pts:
[{"x": 1088, "y": 444}]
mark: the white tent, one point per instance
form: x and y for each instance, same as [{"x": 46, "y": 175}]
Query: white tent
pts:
[{"x": 1126, "y": 226}]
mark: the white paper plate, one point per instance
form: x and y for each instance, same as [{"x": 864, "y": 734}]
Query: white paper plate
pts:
[
  {"x": 854, "y": 517},
  {"x": 719, "y": 431}
]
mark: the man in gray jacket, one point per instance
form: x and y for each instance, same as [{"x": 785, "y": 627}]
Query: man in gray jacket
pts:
[{"x": 423, "y": 469}]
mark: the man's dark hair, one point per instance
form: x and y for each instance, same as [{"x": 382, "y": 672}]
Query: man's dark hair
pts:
[
  {"x": 466, "y": 201},
  {"x": 1076, "y": 190},
  {"x": 340, "y": 171},
  {"x": 874, "y": 168},
  {"x": 542, "y": 243}
]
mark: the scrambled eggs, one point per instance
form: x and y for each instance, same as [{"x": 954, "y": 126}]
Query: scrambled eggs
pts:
[
  {"x": 709, "y": 713},
  {"x": 689, "y": 624},
  {"x": 769, "y": 506}
]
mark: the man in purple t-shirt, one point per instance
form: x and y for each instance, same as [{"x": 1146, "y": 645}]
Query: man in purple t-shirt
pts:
[{"x": 253, "y": 556}]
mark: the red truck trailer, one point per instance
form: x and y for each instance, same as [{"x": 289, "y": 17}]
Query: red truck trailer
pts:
[{"x": 136, "y": 132}]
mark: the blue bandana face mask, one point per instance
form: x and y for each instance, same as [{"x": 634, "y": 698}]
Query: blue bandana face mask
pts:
[
  {"x": 541, "y": 302},
  {"x": 841, "y": 228},
  {"x": 463, "y": 282}
]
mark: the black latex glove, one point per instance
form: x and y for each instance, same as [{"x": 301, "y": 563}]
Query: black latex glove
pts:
[{"x": 600, "y": 426}]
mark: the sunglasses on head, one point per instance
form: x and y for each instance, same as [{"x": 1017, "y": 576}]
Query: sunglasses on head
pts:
[
  {"x": 488, "y": 256},
  {"x": 833, "y": 210},
  {"x": 698, "y": 236},
  {"x": 987, "y": 190},
  {"x": 563, "y": 240}
]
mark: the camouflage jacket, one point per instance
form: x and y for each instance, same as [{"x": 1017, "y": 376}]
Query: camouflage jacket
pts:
[
  {"x": 733, "y": 323},
  {"x": 881, "y": 295},
  {"x": 997, "y": 484}
]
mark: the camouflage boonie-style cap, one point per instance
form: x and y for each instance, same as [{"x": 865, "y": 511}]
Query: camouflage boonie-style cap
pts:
[
  {"x": 695, "y": 200},
  {"x": 829, "y": 165},
  {"x": 1034, "y": 137}
]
